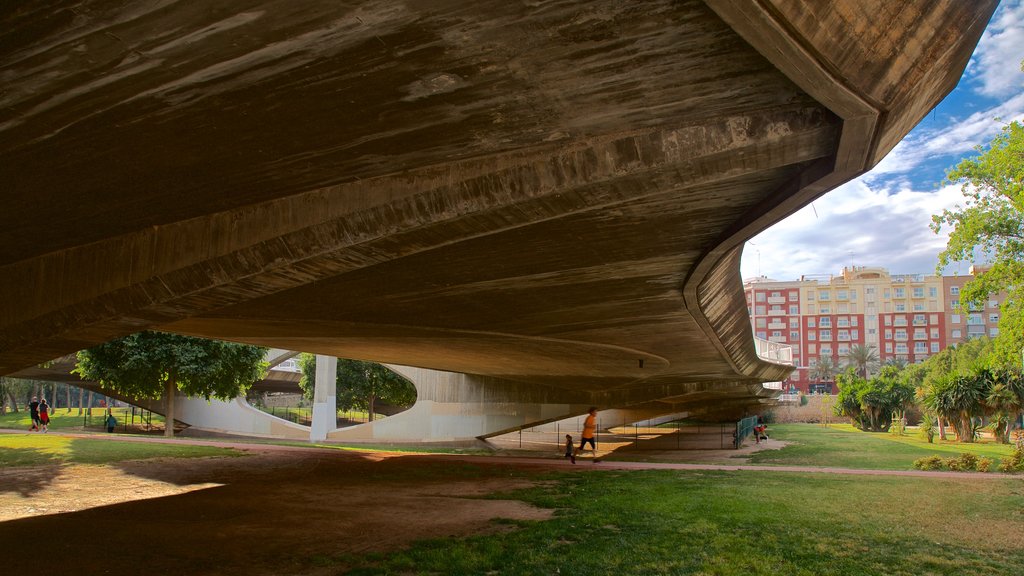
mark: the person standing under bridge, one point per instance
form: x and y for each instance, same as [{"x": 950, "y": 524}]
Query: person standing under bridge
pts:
[{"x": 589, "y": 432}]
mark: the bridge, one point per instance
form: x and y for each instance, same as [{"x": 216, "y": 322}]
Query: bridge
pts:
[{"x": 544, "y": 201}]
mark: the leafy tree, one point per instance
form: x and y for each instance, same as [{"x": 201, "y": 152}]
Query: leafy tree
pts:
[
  {"x": 991, "y": 222},
  {"x": 863, "y": 358},
  {"x": 156, "y": 365},
  {"x": 871, "y": 403},
  {"x": 959, "y": 398},
  {"x": 361, "y": 384}
]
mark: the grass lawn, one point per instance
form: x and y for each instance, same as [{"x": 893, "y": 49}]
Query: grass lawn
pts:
[
  {"x": 844, "y": 446},
  {"x": 736, "y": 523},
  {"x": 61, "y": 419},
  {"x": 36, "y": 449}
]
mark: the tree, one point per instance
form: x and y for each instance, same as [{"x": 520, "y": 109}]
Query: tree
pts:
[
  {"x": 361, "y": 384},
  {"x": 157, "y": 365},
  {"x": 863, "y": 358},
  {"x": 959, "y": 398},
  {"x": 871, "y": 403},
  {"x": 991, "y": 222},
  {"x": 1005, "y": 402},
  {"x": 824, "y": 370}
]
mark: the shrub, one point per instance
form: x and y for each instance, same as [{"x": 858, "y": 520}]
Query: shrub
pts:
[
  {"x": 929, "y": 463},
  {"x": 984, "y": 464},
  {"x": 963, "y": 462},
  {"x": 1015, "y": 463},
  {"x": 803, "y": 400}
]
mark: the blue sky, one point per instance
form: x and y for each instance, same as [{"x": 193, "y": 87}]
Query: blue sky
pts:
[{"x": 882, "y": 218}]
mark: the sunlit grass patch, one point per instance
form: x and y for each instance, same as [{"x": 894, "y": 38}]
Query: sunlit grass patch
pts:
[{"x": 35, "y": 449}]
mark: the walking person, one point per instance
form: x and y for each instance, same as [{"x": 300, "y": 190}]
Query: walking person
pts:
[
  {"x": 33, "y": 410},
  {"x": 589, "y": 432},
  {"x": 44, "y": 414},
  {"x": 570, "y": 450}
]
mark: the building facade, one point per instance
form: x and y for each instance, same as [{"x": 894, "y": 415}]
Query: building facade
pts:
[{"x": 905, "y": 317}]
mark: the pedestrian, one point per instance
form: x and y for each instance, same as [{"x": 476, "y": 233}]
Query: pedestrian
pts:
[
  {"x": 569, "y": 449},
  {"x": 111, "y": 421},
  {"x": 44, "y": 414},
  {"x": 33, "y": 409},
  {"x": 589, "y": 431}
]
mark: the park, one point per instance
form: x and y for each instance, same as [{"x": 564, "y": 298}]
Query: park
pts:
[{"x": 472, "y": 288}]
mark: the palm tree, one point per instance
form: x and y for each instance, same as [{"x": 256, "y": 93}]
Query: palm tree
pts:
[
  {"x": 863, "y": 358},
  {"x": 824, "y": 370},
  {"x": 1005, "y": 402}
]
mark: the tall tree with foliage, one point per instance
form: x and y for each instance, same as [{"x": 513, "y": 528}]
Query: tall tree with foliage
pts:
[
  {"x": 1005, "y": 402},
  {"x": 863, "y": 358},
  {"x": 361, "y": 384},
  {"x": 824, "y": 370},
  {"x": 991, "y": 222},
  {"x": 157, "y": 365}
]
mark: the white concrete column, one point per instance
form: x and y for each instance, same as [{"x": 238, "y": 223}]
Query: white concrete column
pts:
[{"x": 325, "y": 409}]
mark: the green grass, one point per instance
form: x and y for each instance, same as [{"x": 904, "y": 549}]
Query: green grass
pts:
[
  {"x": 61, "y": 419},
  {"x": 738, "y": 523},
  {"x": 36, "y": 449},
  {"x": 843, "y": 446}
]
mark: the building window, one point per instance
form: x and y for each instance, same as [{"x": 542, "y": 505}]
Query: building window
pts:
[
  {"x": 918, "y": 292},
  {"x": 794, "y": 309},
  {"x": 826, "y": 351},
  {"x": 760, "y": 322},
  {"x": 825, "y": 322},
  {"x": 853, "y": 320},
  {"x": 810, "y": 322},
  {"x": 825, "y": 310},
  {"x": 901, "y": 307},
  {"x": 974, "y": 320},
  {"x": 901, "y": 348},
  {"x": 888, "y": 334},
  {"x": 853, "y": 294},
  {"x": 759, "y": 296},
  {"x": 841, "y": 294},
  {"x": 993, "y": 332},
  {"x": 993, "y": 304},
  {"x": 933, "y": 318},
  {"x": 810, "y": 308},
  {"x": 888, "y": 347},
  {"x": 794, "y": 336},
  {"x": 843, "y": 335},
  {"x": 810, "y": 295},
  {"x": 812, "y": 335},
  {"x": 933, "y": 292},
  {"x": 955, "y": 318},
  {"x": 888, "y": 320},
  {"x": 812, "y": 348},
  {"x": 954, "y": 290},
  {"x": 918, "y": 306},
  {"x": 843, "y": 322},
  {"x": 761, "y": 335},
  {"x": 794, "y": 323},
  {"x": 901, "y": 293},
  {"x": 826, "y": 335},
  {"x": 935, "y": 347},
  {"x": 844, "y": 350},
  {"x": 823, "y": 295},
  {"x": 869, "y": 290},
  {"x": 935, "y": 333},
  {"x": 920, "y": 348},
  {"x": 776, "y": 334},
  {"x": 794, "y": 296},
  {"x": 957, "y": 334},
  {"x": 759, "y": 310},
  {"x": 993, "y": 318},
  {"x": 885, "y": 294}
]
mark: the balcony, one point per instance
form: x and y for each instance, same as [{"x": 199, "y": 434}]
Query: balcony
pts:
[
  {"x": 920, "y": 336},
  {"x": 776, "y": 312},
  {"x": 920, "y": 322},
  {"x": 780, "y": 339},
  {"x": 776, "y": 300},
  {"x": 899, "y": 322},
  {"x": 777, "y": 325}
]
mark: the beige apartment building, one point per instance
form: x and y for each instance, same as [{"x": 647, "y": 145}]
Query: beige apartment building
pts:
[{"x": 904, "y": 317}]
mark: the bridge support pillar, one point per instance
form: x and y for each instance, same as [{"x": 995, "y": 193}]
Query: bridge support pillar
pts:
[{"x": 325, "y": 410}]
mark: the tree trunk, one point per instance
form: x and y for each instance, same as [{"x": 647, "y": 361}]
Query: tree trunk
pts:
[
  {"x": 941, "y": 426},
  {"x": 81, "y": 398},
  {"x": 88, "y": 404},
  {"x": 169, "y": 416},
  {"x": 67, "y": 397},
  {"x": 14, "y": 400},
  {"x": 53, "y": 397},
  {"x": 372, "y": 399}
]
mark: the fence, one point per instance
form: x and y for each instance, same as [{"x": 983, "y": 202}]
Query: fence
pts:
[
  {"x": 127, "y": 417},
  {"x": 744, "y": 428},
  {"x": 644, "y": 435}
]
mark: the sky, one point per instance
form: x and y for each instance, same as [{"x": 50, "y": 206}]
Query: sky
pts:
[{"x": 882, "y": 218}]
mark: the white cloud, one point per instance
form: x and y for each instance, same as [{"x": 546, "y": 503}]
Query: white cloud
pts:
[
  {"x": 856, "y": 224},
  {"x": 995, "y": 65}
]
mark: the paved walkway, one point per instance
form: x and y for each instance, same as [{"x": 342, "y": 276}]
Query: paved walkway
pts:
[{"x": 584, "y": 463}]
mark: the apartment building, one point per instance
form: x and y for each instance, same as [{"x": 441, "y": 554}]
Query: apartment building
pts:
[{"x": 907, "y": 317}]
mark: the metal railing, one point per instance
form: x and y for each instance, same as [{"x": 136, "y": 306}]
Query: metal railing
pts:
[{"x": 744, "y": 428}]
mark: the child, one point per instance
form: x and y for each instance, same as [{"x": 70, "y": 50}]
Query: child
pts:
[
  {"x": 569, "y": 453},
  {"x": 44, "y": 415}
]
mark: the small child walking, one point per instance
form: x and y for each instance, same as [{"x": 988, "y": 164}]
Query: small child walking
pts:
[{"x": 570, "y": 449}]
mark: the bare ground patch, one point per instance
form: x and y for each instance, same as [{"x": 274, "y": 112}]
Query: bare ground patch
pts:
[{"x": 268, "y": 513}]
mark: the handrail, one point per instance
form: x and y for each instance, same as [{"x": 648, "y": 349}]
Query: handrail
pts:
[{"x": 774, "y": 351}]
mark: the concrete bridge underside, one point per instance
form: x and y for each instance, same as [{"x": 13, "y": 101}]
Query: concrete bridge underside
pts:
[{"x": 549, "y": 195}]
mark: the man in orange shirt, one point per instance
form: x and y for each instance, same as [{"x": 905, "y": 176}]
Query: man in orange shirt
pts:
[{"x": 589, "y": 431}]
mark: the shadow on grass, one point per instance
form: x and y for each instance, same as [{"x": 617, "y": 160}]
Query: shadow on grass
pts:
[{"x": 26, "y": 471}]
